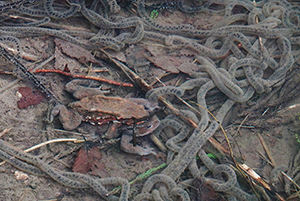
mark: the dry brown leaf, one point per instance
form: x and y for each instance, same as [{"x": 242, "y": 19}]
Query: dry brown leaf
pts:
[
  {"x": 170, "y": 63},
  {"x": 188, "y": 68},
  {"x": 64, "y": 63},
  {"x": 75, "y": 51}
]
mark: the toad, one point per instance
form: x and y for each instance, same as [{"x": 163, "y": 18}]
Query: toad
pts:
[{"x": 98, "y": 109}]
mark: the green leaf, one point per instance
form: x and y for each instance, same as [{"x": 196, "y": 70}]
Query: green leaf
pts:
[
  {"x": 210, "y": 155},
  {"x": 297, "y": 137},
  {"x": 154, "y": 14}
]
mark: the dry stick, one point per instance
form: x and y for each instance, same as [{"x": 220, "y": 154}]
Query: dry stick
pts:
[
  {"x": 238, "y": 165},
  {"x": 84, "y": 77},
  {"x": 146, "y": 87},
  {"x": 295, "y": 195},
  {"x": 5, "y": 131},
  {"x": 12, "y": 5},
  {"x": 264, "y": 157},
  {"x": 218, "y": 146},
  {"x": 44, "y": 62},
  {"x": 214, "y": 142},
  {"x": 254, "y": 175},
  {"x": 176, "y": 112},
  {"x": 241, "y": 124},
  {"x": 263, "y": 143},
  {"x": 157, "y": 79},
  {"x": 44, "y": 143},
  {"x": 24, "y": 55},
  {"x": 130, "y": 74},
  {"x": 9, "y": 84},
  {"x": 238, "y": 130},
  {"x": 290, "y": 179},
  {"x": 158, "y": 143},
  {"x": 143, "y": 85}
]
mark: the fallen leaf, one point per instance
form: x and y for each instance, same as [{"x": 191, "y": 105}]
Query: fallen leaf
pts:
[
  {"x": 189, "y": 68},
  {"x": 75, "y": 51},
  {"x": 167, "y": 59},
  {"x": 29, "y": 97},
  {"x": 63, "y": 62},
  {"x": 86, "y": 159}
]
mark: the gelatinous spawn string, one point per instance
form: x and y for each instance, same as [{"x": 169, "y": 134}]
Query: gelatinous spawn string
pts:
[
  {"x": 173, "y": 29},
  {"x": 15, "y": 42},
  {"x": 222, "y": 79},
  {"x": 28, "y": 31},
  {"x": 114, "y": 7},
  {"x": 169, "y": 191},
  {"x": 21, "y": 164},
  {"x": 74, "y": 8},
  {"x": 33, "y": 12},
  {"x": 291, "y": 12},
  {"x": 194, "y": 143},
  {"x": 36, "y": 23},
  {"x": 154, "y": 94},
  {"x": 11, "y": 5},
  {"x": 10, "y": 57},
  {"x": 274, "y": 23},
  {"x": 229, "y": 185},
  {"x": 33, "y": 164},
  {"x": 102, "y": 22}
]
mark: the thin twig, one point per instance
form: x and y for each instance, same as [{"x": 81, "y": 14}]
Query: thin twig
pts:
[
  {"x": 84, "y": 77},
  {"x": 263, "y": 143},
  {"x": 239, "y": 127},
  {"x": 49, "y": 142},
  {"x": 44, "y": 63},
  {"x": 142, "y": 84},
  {"x": 9, "y": 85},
  {"x": 5, "y": 131},
  {"x": 290, "y": 179},
  {"x": 264, "y": 158}
]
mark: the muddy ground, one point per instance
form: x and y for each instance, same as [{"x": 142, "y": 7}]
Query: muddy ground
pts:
[{"x": 277, "y": 124}]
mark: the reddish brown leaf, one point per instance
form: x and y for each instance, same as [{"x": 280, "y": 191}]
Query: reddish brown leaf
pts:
[
  {"x": 29, "y": 97},
  {"x": 86, "y": 159}
]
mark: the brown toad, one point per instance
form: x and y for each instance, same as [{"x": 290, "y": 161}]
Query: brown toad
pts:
[{"x": 99, "y": 109}]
